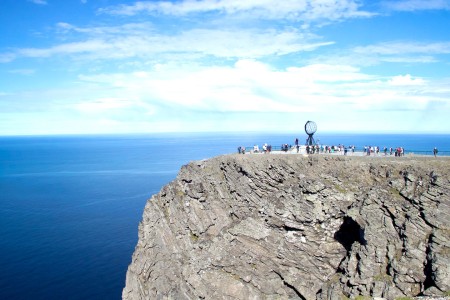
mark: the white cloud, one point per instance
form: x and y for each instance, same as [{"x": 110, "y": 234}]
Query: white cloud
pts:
[
  {"x": 238, "y": 97},
  {"x": 406, "y": 80},
  {"x": 139, "y": 40},
  {"x": 330, "y": 73},
  {"x": 252, "y": 86},
  {"x": 413, "y": 5},
  {"x": 390, "y": 52},
  {"x": 40, "y": 2},
  {"x": 108, "y": 31},
  {"x": 7, "y": 57},
  {"x": 22, "y": 71},
  {"x": 245, "y": 43},
  {"x": 401, "y": 48},
  {"x": 401, "y": 52},
  {"x": 420, "y": 59},
  {"x": 69, "y": 48},
  {"x": 306, "y": 10}
]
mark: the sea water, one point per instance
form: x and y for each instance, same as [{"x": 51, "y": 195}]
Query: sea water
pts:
[{"x": 70, "y": 205}]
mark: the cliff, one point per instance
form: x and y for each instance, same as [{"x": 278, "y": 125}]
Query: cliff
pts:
[{"x": 295, "y": 227}]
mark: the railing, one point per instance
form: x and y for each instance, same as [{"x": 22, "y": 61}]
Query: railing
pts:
[
  {"x": 440, "y": 153},
  {"x": 381, "y": 153}
]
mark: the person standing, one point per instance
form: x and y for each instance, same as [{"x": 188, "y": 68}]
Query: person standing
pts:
[{"x": 435, "y": 151}]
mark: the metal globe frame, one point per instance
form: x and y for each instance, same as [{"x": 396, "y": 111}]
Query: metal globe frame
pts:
[{"x": 310, "y": 129}]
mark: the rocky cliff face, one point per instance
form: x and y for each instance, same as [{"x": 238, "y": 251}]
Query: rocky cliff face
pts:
[{"x": 294, "y": 227}]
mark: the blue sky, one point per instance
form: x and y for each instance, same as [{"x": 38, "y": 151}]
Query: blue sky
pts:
[{"x": 110, "y": 66}]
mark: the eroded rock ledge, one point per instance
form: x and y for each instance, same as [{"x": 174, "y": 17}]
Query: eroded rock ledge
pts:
[{"x": 294, "y": 227}]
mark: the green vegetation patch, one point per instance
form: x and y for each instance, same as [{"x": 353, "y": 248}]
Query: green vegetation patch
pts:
[
  {"x": 383, "y": 278},
  {"x": 194, "y": 237},
  {"x": 394, "y": 192},
  {"x": 340, "y": 189}
]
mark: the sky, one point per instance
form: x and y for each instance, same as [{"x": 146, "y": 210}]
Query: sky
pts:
[{"x": 111, "y": 66}]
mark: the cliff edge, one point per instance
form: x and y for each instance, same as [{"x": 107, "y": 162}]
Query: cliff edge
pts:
[{"x": 295, "y": 227}]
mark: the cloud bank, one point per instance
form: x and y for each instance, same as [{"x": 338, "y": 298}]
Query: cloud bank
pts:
[
  {"x": 305, "y": 10},
  {"x": 414, "y": 5}
]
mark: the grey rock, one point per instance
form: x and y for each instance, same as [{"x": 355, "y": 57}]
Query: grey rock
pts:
[{"x": 294, "y": 227}]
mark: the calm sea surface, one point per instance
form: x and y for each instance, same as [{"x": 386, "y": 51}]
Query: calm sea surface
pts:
[{"x": 70, "y": 205}]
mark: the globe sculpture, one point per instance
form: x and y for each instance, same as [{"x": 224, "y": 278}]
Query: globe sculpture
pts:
[{"x": 310, "y": 129}]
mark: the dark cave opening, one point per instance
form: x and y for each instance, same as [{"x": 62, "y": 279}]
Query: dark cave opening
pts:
[{"x": 348, "y": 233}]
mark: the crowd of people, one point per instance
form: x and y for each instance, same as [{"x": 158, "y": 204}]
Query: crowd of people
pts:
[
  {"x": 314, "y": 149},
  {"x": 265, "y": 149},
  {"x": 339, "y": 148},
  {"x": 375, "y": 150}
]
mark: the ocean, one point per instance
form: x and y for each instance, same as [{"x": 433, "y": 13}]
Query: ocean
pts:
[{"x": 70, "y": 205}]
